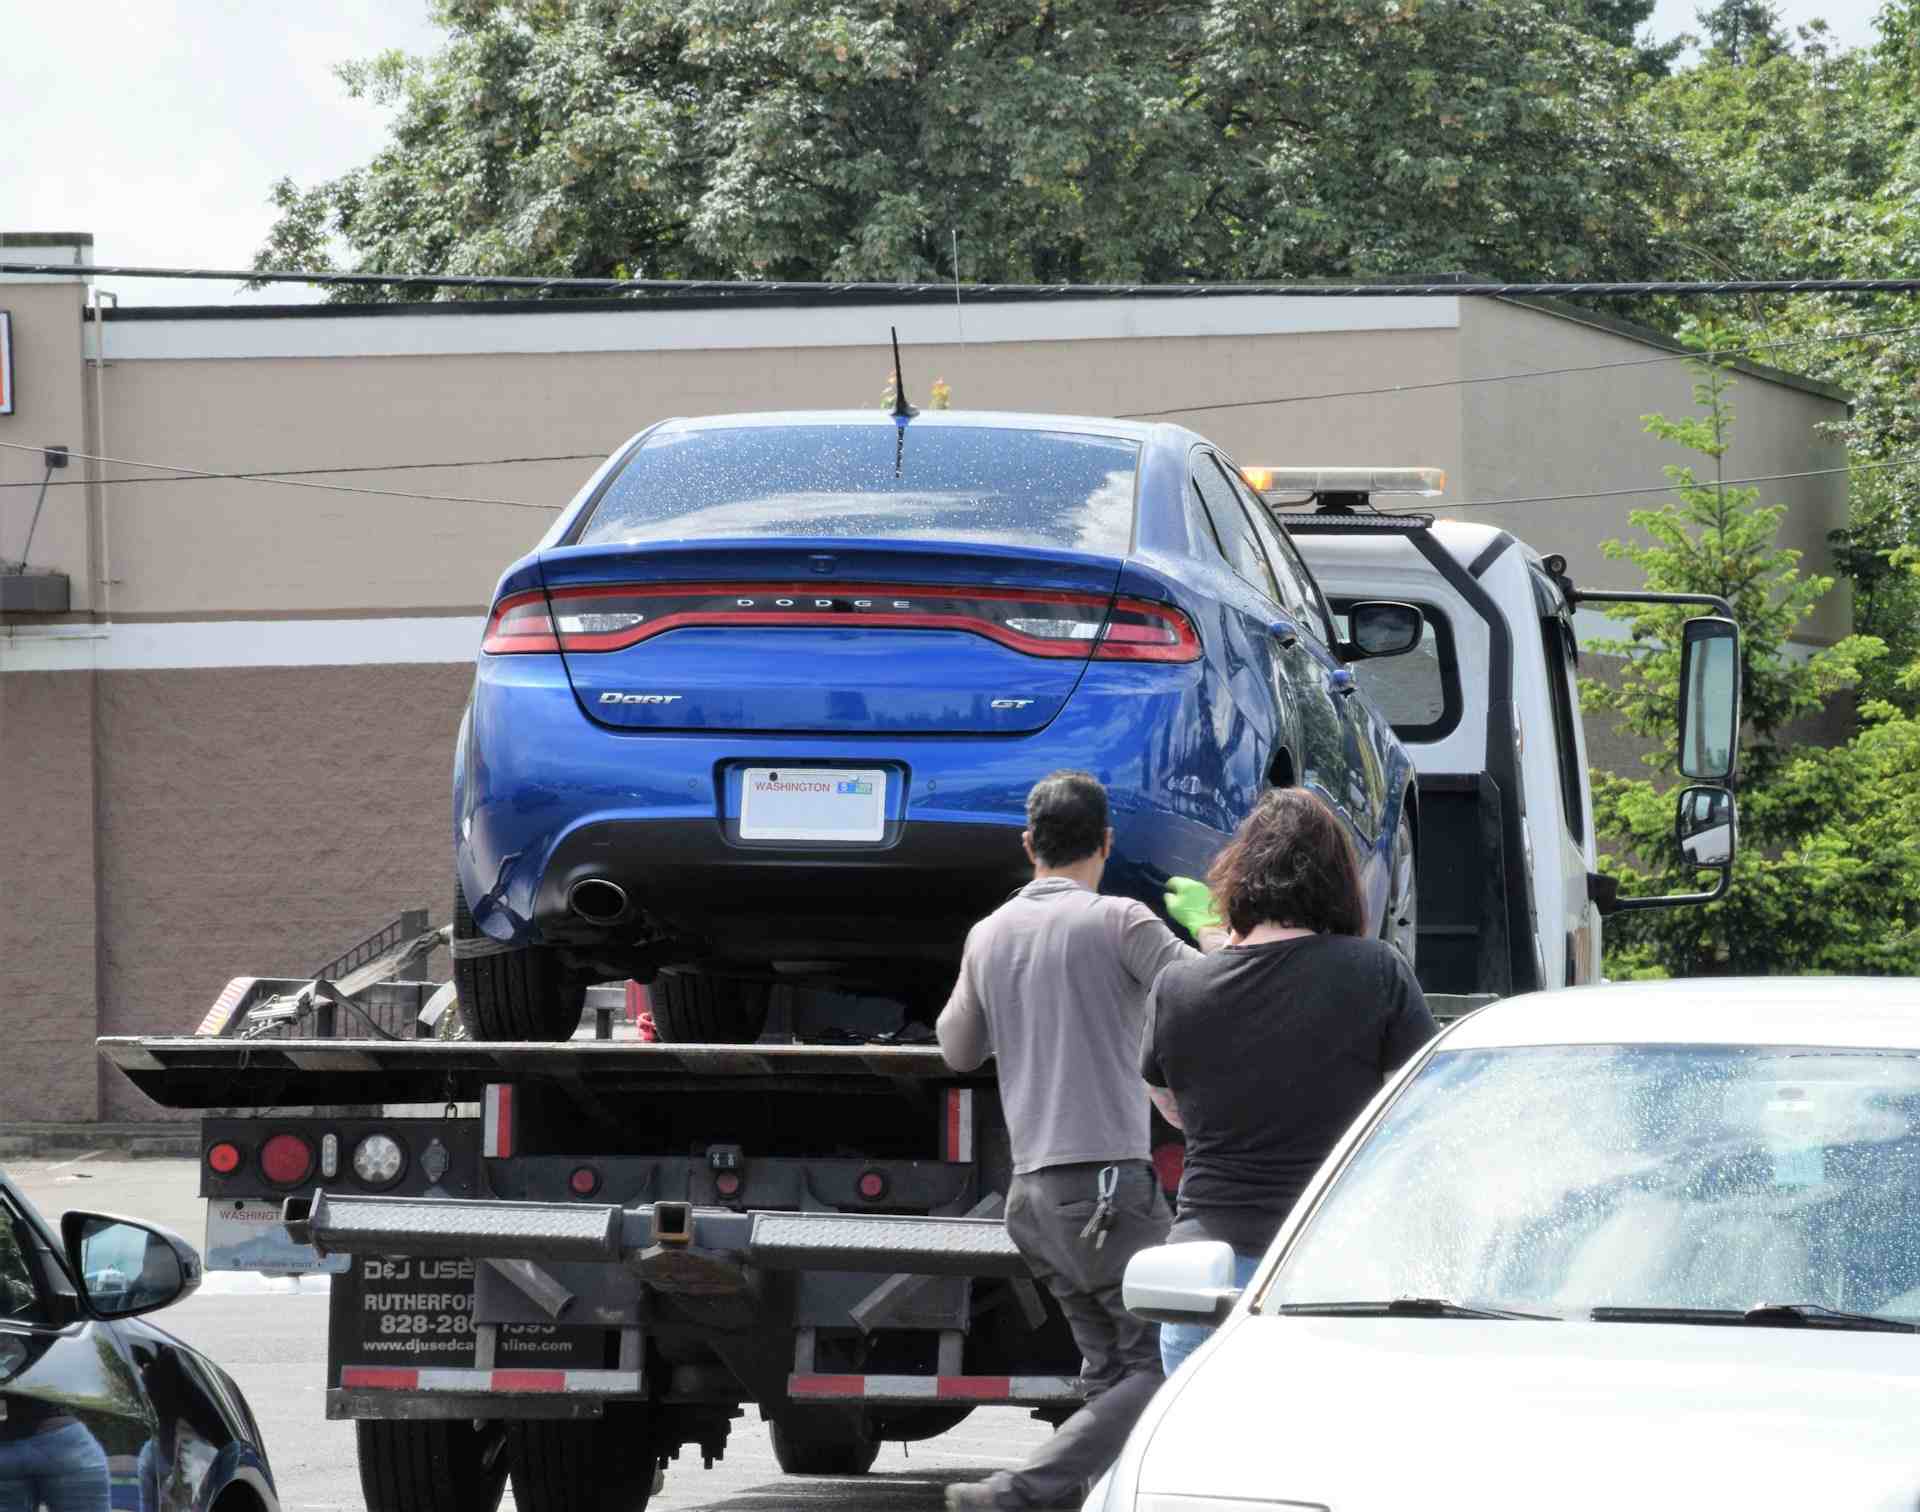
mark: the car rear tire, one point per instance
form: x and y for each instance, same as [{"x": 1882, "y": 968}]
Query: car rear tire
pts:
[
  {"x": 594, "y": 1465},
  {"x": 691, "y": 1009},
  {"x": 822, "y": 1441},
  {"x": 1401, "y": 926},
  {"x": 518, "y": 994},
  {"x": 431, "y": 1466}
]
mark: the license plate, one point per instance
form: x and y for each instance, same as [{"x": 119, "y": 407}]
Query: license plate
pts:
[
  {"x": 813, "y": 803},
  {"x": 249, "y": 1236}
]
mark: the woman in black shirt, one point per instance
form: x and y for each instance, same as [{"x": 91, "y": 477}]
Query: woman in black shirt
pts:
[{"x": 1265, "y": 1051}]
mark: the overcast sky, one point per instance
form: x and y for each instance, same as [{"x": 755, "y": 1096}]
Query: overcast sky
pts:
[{"x": 158, "y": 125}]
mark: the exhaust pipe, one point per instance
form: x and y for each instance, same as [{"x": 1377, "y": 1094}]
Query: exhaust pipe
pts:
[{"x": 597, "y": 901}]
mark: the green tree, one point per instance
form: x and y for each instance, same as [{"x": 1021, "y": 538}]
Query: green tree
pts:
[
  {"x": 1742, "y": 31},
  {"x": 1828, "y": 874},
  {"x": 1808, "y": 163},
  {"x": 1060, "y": 139}
]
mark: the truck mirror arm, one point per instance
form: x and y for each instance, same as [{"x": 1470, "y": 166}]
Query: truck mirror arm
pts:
[
  {"x": 1604, "y": 891},
  {"x": 1628, "y": 596}
]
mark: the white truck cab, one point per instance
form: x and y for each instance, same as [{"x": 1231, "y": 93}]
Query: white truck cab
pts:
[{"x": 1488, "y": 706}]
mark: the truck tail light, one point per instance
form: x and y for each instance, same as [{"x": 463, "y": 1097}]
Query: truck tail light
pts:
[
  {"x": 584, "y": 1181},
  {"x": 286, "y": 1160},
  {"x": 223, "y": 1159}
]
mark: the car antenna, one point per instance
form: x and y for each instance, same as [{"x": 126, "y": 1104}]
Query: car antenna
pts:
[{"x": 902, "y": 411}]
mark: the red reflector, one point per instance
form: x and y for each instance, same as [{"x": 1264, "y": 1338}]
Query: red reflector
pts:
[
  {"x": 519, "y": 623},
  {"x": 286, "y": 1159},
  {"x": 585, "y": 1181},
  {"x": 873, "y": 1186},
  {"x": 1169, "y": 1160},
  {"x": 727, "y": 1183},
  {"x": 223, "y": 1159}
]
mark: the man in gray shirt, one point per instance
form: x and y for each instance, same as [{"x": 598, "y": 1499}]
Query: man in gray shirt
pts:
[{"x": 1054, "y": 985}]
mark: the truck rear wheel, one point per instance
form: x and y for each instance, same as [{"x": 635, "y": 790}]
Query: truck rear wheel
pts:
[
  {"x": 521, "y": 994},
  {"x": 591, "y": 1465},
  {"x": 692, "y": 1009},
  {"x": 822, "y": 1441},
  {"x": 431, "y": 1466}
]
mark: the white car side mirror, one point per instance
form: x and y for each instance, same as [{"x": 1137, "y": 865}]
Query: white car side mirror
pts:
[{"x": 1181, "y": 1283}]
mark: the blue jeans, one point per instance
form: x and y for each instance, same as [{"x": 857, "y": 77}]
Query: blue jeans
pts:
[
  {"x": 65, "y": 1471},
  {"x": 1178, "y": 1340}
]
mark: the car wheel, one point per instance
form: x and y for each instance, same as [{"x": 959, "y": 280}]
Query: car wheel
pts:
[
  {"x": 691, "y": 1009},
  {"x": 607, "y": 1464},
  {"x": 1402, "y": 922},
  {"x": 816, "y": 1441},
  {"x": 431, "y": 1466},
  {"x": 511, "y": 994}
]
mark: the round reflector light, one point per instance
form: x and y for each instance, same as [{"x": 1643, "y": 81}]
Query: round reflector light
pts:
[
  {"x": 584, "y": 1181},
  {"x": 727, "y": 1183},
  {"x": 378, "y": 1160},
  {"x": 873, "y": 1185},
  {"x": 223, "y": 1159},
  {"x": 286, "y": 1159}
]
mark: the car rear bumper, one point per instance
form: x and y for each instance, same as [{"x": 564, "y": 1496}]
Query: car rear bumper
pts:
[{"x": 911, "y": 898}]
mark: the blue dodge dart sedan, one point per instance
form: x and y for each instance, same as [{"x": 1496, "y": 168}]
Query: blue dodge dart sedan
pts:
[{"x": 764, "y": 705}]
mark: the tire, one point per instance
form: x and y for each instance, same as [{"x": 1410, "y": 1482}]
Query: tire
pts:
[
  {"x": 431, "y": 1466},
  {"x": 515, "y": 994},
  {"x": 817, "y": 1441},
  {"x": 1401, "y": 926},
  {"x": 604, "y": 1464},
  {"x": 690, "y": 1009}
]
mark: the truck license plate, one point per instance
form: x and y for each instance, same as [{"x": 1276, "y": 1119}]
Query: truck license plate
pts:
[
  {"x": 244, "y": 1235},
  {"x": 813, "y": 803}
]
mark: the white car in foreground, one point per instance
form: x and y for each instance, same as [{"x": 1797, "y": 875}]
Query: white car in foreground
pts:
[{"x": 1640, "y": 1246}]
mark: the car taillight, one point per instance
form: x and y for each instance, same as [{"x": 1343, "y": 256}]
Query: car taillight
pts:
[
  {"x": 1036, "y": 622},
  {"x": 286, "y": 1159},
  {"x": 520, "y": 623},
  {"x": 223, "y": 1159}
]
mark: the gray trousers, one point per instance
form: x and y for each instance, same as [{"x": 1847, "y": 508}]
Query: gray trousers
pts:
[{"x": 1120, "y": 1354}]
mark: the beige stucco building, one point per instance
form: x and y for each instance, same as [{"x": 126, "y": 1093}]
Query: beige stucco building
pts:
[{"x": 230, "y": 750}]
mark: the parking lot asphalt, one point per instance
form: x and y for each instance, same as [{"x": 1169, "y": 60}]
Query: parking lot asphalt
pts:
[{"x": 271, "y": 1336}]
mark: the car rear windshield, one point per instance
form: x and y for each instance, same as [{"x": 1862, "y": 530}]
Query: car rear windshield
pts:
[{"x": 928, "y": 482}]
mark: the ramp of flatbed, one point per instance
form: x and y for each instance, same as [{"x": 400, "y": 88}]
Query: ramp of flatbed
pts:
[{"x": 191, "y": 1072}]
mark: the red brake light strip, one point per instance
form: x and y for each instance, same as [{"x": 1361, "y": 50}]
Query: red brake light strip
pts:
[{"x": 1036, "y": 622}]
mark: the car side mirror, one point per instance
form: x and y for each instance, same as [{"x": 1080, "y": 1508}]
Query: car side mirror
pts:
[
  {"x": 1380, "y": 628},
  {"x": 1709, "y": 698},
  {"x": 1704, "y": 823},
  {"x": 125, "y": 1268},
  {"x": 1181, "y": 1283}
]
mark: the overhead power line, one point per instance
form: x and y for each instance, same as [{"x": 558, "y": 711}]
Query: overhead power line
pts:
[
  {"x": 1668, "y": 486},
  {"x": 753, "y": 288},
  {"x": 269, "y": 475},
  {"x": 197, "y": 472}
]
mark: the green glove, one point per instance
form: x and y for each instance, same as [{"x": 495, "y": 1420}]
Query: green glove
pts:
[{"x": 1190, "y": 905}]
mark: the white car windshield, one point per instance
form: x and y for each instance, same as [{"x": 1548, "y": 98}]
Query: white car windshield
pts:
[{"x": 1560, "y": 1179}]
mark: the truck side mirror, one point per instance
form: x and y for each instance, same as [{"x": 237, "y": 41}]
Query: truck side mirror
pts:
[
  {"x": 1704, "y": 824},
  {"x": 1382, "y": 629},
  {"x": 1709, "y": 698}
]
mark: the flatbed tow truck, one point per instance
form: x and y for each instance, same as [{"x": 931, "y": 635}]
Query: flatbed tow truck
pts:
[{"x": 567, "y": 1263}]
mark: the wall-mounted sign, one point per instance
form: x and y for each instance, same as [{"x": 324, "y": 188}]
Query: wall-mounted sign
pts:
[{"x": 6, "y": 363}]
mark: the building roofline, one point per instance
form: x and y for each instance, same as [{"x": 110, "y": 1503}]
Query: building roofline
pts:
[{"x": 1660, "y": 341}]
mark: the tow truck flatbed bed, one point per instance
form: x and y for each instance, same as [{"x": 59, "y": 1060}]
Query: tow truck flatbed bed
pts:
[{"x": 194, "y": 1072}]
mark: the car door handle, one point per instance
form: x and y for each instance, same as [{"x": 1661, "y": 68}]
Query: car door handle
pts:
[
  {"x": 1286, "y": 632},
  {"x": 1340, "y": 682}
]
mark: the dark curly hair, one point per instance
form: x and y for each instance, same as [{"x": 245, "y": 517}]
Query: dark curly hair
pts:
[{"x": 1290, "y": 863}]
